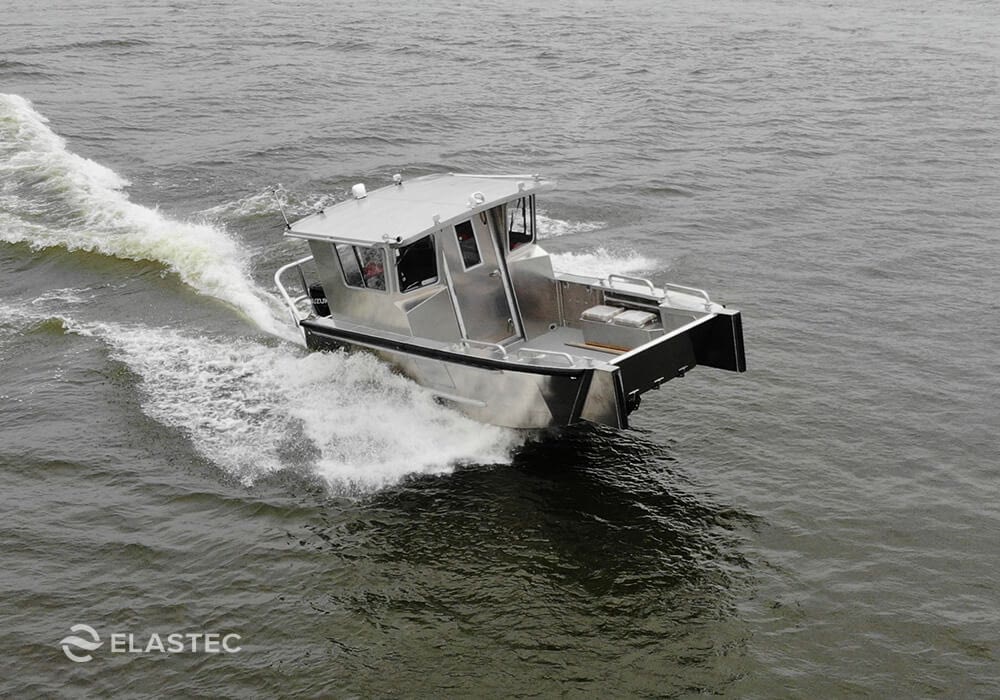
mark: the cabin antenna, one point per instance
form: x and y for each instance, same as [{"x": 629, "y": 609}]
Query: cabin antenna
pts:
[{"x": 281, "y": 206}]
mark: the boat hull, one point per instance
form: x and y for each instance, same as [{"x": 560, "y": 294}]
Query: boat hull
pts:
[
  {"x": 493, "y": 391},
  {"x": 521, "y": 395}
]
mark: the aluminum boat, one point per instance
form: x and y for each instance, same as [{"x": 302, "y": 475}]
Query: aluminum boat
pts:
[{"x": 443, "y": 277}]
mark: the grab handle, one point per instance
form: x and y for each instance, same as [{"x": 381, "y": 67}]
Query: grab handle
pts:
[{"x": 632, "y": 280}]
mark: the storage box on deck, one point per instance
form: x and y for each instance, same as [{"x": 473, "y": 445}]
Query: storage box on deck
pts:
[{"x": 614, "y": 327}]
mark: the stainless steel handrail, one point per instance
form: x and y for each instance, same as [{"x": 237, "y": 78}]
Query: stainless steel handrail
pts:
[
  {"x": 693, "y": 290},
  {"x": 633, "y": 280},
  {"x": 569, "y": 358},
  {"x": 292, "y": 304},
  {"x": 483, "y": 343}
]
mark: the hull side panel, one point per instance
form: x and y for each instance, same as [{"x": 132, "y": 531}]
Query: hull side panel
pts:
[{"x": 506, "y": 397}]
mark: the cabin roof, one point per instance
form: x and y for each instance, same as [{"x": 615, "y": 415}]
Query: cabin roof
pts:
[{"x": 402, "y": 213}]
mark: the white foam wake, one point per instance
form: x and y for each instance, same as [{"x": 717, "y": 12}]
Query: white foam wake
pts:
[
  {"x": 269, "y": 202},
  {"x": 252, "y": 409},
  {"x": 602, "y": 262},
  {"x": 50, "y": 196},
  {"x": 597, "y": 262},
  {"x": 552, "y": 228}
]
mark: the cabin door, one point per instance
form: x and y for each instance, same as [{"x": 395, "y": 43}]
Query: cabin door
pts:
[{"x": 479, "y": 281}]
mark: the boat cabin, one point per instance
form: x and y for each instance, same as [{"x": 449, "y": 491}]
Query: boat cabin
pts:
[{"x": 444, "y": 257}]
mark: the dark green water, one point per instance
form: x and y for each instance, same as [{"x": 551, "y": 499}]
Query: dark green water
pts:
[{"x": 823, "y": 526}]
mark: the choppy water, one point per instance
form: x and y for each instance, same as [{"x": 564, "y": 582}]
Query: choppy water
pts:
[{"x": 825, "y": 525}]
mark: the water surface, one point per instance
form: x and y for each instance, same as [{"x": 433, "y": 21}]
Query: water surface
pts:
[{"x": 824, "y": 525}]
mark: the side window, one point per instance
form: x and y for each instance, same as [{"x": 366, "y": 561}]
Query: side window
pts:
[
  {"x": 521, "y": 218},
  {"x": 416, "y": 264},
  {"x": 363, "y": 266},
  {"x": 467, "y": 244},
  {"x": 349, "y": 263}
]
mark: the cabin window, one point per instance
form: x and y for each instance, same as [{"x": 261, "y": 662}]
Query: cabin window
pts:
[
  {"x": 416, "y": 264},
  {"x": 521, "y": 226},
  {"x": 363, "y": 266},
  {"x": 467, "y": 244}
]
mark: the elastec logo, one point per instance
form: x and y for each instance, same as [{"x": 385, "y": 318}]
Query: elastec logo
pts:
[
  {"x": 92, "y": 644},
  {"x": 153, "y": 643}
]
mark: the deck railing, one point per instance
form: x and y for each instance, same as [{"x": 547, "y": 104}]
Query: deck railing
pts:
[
  {"x": 539, "y": 354},
  {"x": 496, "y": 347},
  {"x": 690, "y": 290},
  {"x": 292, "y": 304},
  {"x": 638, "y": 281}
]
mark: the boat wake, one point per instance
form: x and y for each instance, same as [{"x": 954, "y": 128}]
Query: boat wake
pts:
[
  {"x": 602, "y": 262},
  {"x": 253, "y": 409},
  {"x": 266, "y": 204},
  {"x": 50, "y": 196},
  {"x": 553, "y": 228}
]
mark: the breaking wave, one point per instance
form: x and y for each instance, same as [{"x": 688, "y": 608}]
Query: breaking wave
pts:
[{"x": 49, "y": 196}]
